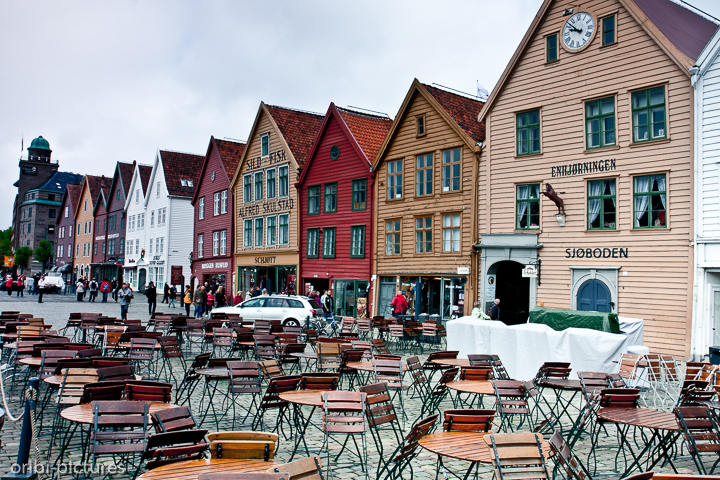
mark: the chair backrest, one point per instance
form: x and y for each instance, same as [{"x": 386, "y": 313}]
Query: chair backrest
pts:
[
  {"x": 117, "y": 374},
  {"x": 50, "y": 359},
  {"x": 76, "y": 362},
  {"x": 171, "y": 447},
  {"x": 468, "y": 420},
  {"x": 102, "y": 362},
  {"x": 447, "y": 377},
  {"x": 276, "y": 386},
  {"x": 564, "y": 457},
  {"x": 363, "y": 325},
  {"x": 669, "y": 367},
  {"x": 149, "y": 391},
  {"x": 292, "y": 330},
  {"x": 319, "y": 381},
  {"x": 118, "y": 422},
  {"x": 592, "y": 382},
  {"x": 286, "y": 351},
  {"x": 510, "y": 391},
  {"x": 700, "y": 428},
  {"x": 73, "y": 384},
  {"x": 271, "y": 369},
  {"x": 174, "y": 419},
  {"x": 379, "y": 346},
  {"x": 309, "y": 468},
  {"x": 654, "y": 367},
  {"x": 201, "y": 360},
  {"x": 693, "y": 370},
  {"x": 263, "y": 327},
  {"x": 627, "y": 365},
  {"x": 243, "y": 445},
  {"x": 517, "y": 455},
  {"x": 409, "y": 448},
  {"x": 244, "y": 377},
  {"x": 347, "y": 404},
  {"x": 478, "y": 360},
  {"x": 619, "y": 397},
  {"x": 265, "y": 345},
  {"x": 416, "y": 370},
  {"x": 60, "y": 340},
  {"x": 379, "y": 407},
  {"x": 478, "y": 374},
  {"x": 388, "y": 370},
  {"x": 616, "y": 380},
  {"x": 222, "y": 337},
  {"x": 328, "y": 355},
  {"x": 142, "y": 349}
]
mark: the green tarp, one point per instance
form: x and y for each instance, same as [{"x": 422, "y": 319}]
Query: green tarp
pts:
[{"x": 559, "y": 320}]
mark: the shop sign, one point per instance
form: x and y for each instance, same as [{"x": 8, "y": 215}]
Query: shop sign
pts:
[
  {"x": 176, "y": 275},
  {"x": 529, "y": 271},
  {"x": 264, "y": 260},
  {"x": 267, "y": 207},
  {"x": 260, "y": 162},
  {"x": 100, "y": 237},
  {"x": 583, "y": 168},
  {"x": 490, "y": 288},
  {"x": 113, "y": 235},
  {"x": 463, "y": 270},
  {"x": 154, "y": 262},
  {"x": 205, "y": 266},
  {"x": 596, "y": 252}
]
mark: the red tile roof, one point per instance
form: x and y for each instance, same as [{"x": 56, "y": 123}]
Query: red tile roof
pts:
[
  {"x": 181, "y": 166},
  {"x": 298, "y": 128},
  {"x": 685, "y": 29},
  {"x": 145, "y": 172},
  {"x": 126, "y": 174},
  {"x": 369, "y": 130},
  {"x": 462, "y": 109},
  {"x": 74, "y": 192},
  {"x": 96, "y": 183},
  {"x": 230, "y": 153}
]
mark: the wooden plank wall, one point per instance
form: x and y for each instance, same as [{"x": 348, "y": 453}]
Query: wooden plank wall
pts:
[{"x": 655, "y": 280}]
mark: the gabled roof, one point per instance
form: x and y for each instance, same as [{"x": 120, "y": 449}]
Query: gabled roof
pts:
[
  {"x": 685, "y": 29},
  {"x": 646, "y": 12},
  {"x": 179, "y": 166},
  {"x": 59, "y": 180},
  {"x": 126, "y": 174},
  {"x": 369, "y": 131},
  {"x": 298, "y": 128},
  {"x": 103, "y": 199},
  {"x": 95, "y": 184},
  {"x": 73, "y": 194},
  {"x": 145, "y": 173},
  {"x": 230, "y": 154},
  {"x": 365, "y": 133},
  {"x": 455, "y": 109}
]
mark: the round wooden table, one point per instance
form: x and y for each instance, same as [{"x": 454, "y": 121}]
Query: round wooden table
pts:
[
  {"x": 472, "y": 386},
  {"x": 368, "y": 366},
  {"x": 311, "y": 398},
  {"x": 158, "y": 346},
  {"x": 452, "y": 362},
  {"x": 31, "y": 361},
  {"x": 84, "y": 414},
  {"x": 640, "y": 417},
  {"x": 217, "y": 373},
  {"x": 192, "y": 469},
  {"x": 305, "y": 355},
  {"x": 562, "y": 384},
  {"x": 468, "y": 446}
]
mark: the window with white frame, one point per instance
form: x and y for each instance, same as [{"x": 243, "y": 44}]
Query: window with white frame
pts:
[
  {"x": 200, "y": 246},
  {"x": 216, "y": 204},
  {"x": 141, "y": 223},
  {"x": 158, "y": 190},
  {"x": 162, "y": 244},
  {"x": 137, "y": 196},
  {"x": 152, "y": 219},
  {"x": 215, "y": 243},
  {"x": 451, "y": 233},
  {"x": 164, "y": 210},
  {"x": 67, "y": 211},
  {"x": 201, "y": 208},
  {"x": 223, "y": 201},
  {"x": 223, "y": 243},
  {"x": 137, "y": 246},
  {"x": 150, "y": 246}
]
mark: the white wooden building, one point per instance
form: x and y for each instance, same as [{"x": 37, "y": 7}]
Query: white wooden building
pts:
[
  {"x": 706, "y": 302},
  {"x": 135, "y": 227}
]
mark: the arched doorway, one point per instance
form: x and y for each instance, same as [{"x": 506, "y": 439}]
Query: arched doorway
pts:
[
  {"x": 142, "y": 276},
  {"x": 513, "y": 291},
  {"x": 594, "y": 296}
]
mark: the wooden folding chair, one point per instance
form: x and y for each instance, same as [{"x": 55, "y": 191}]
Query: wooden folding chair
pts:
[
  {"x": 517, "y": 455},
  {"x": 243, "y": 445},
  {"x": 309, "y": 468}
]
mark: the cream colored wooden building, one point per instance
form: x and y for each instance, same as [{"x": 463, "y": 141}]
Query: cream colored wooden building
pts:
[
  {"x": 266, "y": 203},
  {"x": 426, "y": 203},
  {"x": 596, "y": 102}
]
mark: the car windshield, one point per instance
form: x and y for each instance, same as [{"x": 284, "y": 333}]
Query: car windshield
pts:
[{"x": 313, "y": 303}]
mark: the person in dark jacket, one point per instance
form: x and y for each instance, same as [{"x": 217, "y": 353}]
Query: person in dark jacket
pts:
[
  {"x": 495, "y": 311},
  {"x": 151, "y": 294},
  {"x": 166, "y": 292}
]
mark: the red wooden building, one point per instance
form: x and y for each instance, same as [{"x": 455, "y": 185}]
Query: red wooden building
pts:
[
  {"x": 65, "y": 230},
  {"x": 336, "y": 209},
  {"x": 213, "y": 215}
]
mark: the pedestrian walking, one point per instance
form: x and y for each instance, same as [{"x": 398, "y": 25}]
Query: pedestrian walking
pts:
[
  {"x": 115, "y": 287},
  {"x": 166, "y": 293},
  {"x": 105, "y": 289},
  {"x": 93, "y": 290},
  {"x": 41, "y": 288},
  {"x": 8, "y": 285},
  {"x": 172, "y": 293},
  {"x": 198, "y": 301},
  {"x": 327, "y": 305},
  {"x": 220, "y": 299},
  {"x": 187, "y": 300},
  {"x": 80, "y": 290},
  {"x": 209, "y": 302},
  {"x": 151, "y": 294},
  {"x": 21, "y": 286},
  {"x": 36, "y": 280},
  {"x": 126, "y": 296}
]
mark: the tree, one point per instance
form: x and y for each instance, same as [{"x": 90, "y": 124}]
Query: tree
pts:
[
  {"x": 22, "y": 257},
  {"x": 5, "y": 247},
  {"x": 44, "y": 253}
]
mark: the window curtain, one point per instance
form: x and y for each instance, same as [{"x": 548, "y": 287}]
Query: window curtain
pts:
[
  {"x": 612, "y": 192},
  {"x": 595, "y": 191},
  {"x": 661, "y": 186},
  {"x": 642, "y": 185},
  {"x": 522, "y": 194}
]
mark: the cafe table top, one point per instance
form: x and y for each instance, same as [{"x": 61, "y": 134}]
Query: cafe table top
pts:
[
  {"x": 472, "y": 386},
  {"x": 452, "y": 362},
  {"x": 31, "y": 361},
  {"x": 84, "y": 414},
  {"x": 307, "y": 355},
  {"x": 214, "y": 372},
  {"x": 468, "y": 446},
  {"x": 192, "y": 469},
  {"x": 56, "y": 380},
  {"x": 158, "y": 346},
  {"x": 640, "y": 417},
  {"x": 312, "y": 398},
  {"x": 562, "y": 384},
  {"x": 367, "y": 366}
]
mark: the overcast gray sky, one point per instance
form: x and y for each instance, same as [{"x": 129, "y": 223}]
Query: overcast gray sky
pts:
[{"x": 115, "y": 81}]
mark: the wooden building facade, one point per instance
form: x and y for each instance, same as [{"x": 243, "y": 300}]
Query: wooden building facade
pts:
[
  {"x": 214, "y": 215},
  {"x": 596, "y": 104},
  {"x": 336, "y": 209},
  {"x": 266, "y": 203},
  {"x": 85, "y": 223},
  {"x": 426, "y": 203},
  {"x": 65, "y": 230}
]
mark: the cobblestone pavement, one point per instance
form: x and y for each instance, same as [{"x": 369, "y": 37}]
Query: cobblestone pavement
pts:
[{"x": 56, "y": 309}]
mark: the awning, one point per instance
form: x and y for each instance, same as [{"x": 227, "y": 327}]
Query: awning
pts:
[{"x": 66, "y": 268}]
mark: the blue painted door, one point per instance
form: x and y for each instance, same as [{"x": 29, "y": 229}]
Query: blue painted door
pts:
[{"x": 593, "y": 295}]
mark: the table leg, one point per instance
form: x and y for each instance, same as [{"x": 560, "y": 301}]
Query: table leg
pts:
[{"x": 301, "y": 428}]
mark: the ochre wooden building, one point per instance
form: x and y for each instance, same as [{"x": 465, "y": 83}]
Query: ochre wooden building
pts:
[
  {"x": 426, "y": 203},
  {"x": 85, "y": 223},
  {"x": 596, "y": 102},
  {"x": 336, "y": 209},
  {"x": 266, "y": 203}
]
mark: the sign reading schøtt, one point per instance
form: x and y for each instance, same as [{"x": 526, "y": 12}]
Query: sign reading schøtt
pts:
[
  {"x": 596, "y": 252},
  {"x": 264, "y": 260},
  {"x": 176, "y": 275}
]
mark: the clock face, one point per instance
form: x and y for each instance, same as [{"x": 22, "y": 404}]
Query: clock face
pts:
[{"x": 578, "y": 31}]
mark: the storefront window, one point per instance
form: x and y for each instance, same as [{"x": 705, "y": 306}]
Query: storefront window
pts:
[{"x": 351, "y": 298}]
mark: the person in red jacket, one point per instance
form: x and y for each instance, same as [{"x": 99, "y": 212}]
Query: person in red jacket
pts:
[
  {"x": 105, "y": 289},
  {"x": 399, "y": 304}
]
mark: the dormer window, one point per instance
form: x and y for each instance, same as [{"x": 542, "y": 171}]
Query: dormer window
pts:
[
  {"x": 265, "y": 145},
  {"x": 186, "y": 183}
]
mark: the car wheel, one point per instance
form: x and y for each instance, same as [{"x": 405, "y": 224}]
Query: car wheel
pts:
[{"x": 291, "y": 322}]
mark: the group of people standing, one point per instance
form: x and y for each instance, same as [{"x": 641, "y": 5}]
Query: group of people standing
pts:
[
  {"x": 204, "y": 298},
  {"x": 85, "y": 286}
]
